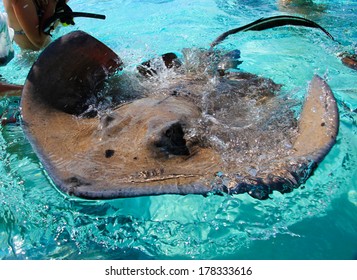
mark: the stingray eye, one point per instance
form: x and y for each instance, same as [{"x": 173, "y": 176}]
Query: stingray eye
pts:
[{"x": 172, "y": 141}]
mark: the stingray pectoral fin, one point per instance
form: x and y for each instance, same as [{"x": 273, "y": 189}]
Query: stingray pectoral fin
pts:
[
  {"x": 318, "y": 123},
  {"x": 69, "y": 71},
  {"x": 318, "y": 128}
]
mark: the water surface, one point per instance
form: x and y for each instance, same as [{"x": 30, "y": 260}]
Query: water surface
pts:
[{"x": 316, "y": 221}]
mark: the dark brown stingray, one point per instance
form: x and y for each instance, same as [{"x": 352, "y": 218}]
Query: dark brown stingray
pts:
[{"x": 195, "y": 133}]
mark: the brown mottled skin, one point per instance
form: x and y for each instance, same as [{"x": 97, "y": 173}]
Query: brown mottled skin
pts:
[{"x": 194, "y": 133}]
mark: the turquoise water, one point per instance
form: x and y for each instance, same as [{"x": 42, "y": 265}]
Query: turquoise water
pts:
[{"x": 316, "y": 221}]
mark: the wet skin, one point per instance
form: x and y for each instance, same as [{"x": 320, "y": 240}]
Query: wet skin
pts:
[{"x": 184, "y": 129}]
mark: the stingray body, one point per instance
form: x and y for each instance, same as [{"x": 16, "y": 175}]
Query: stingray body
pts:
[{"x": 186, "y": 131}]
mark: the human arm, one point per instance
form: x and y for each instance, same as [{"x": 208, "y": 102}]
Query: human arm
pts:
[{"x": 26, "y": 14}]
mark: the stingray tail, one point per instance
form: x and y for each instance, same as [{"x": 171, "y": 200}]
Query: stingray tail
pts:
[{"x": 271, "y": 22}]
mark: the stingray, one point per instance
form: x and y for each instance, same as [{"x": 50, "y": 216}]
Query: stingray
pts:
[{"x": 175, "y": 126}]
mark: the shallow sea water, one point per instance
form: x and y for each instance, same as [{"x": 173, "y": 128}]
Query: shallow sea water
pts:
[{"x": 316, "y": 221}]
